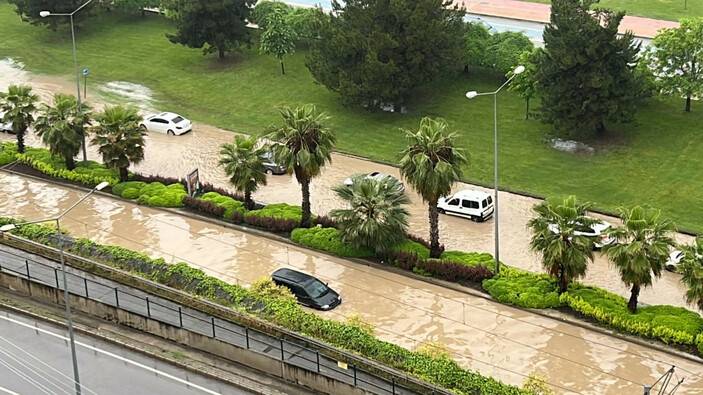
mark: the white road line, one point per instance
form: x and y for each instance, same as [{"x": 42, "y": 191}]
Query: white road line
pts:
[
  {"x": 8, "y": 392},
  {"x": 115, "y": 356}
]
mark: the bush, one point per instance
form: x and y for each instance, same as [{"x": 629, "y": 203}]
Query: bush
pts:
[
  {"x": 281, "y": 218},
  {"x": 207, "y": 187},
  {"x": 155, "y": 194},
  {"x": 405, "y": 260},
  {"x": 666, "y": 323},
  {"x": 8, "y": 153},
  {"x": 470, "y": 259},
  {"x": 328, "y": 239},
  {"x": 455, "y": 272},
  {"x": 86, "y": 173},
  {"x": 524, "y": 289},
  {"x": 147, "y": 178},
  {"x": 412, "y": 247},
  {"x": 229, "y": 204},
  {"x": 204, "y": 206}
]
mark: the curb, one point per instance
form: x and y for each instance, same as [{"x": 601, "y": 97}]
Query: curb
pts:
[
  {"x": 98, "y": 333},
  {"x": 546, "y": 313}
]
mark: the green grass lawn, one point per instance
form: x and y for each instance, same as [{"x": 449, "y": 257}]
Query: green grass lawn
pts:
[
  {"x": 657, "y": 160},
  {"x": 672, "y": 10}
]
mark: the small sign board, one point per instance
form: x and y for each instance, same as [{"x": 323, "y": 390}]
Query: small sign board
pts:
[
  {"x": 85, "y": 72},
  {"x": 342, "y": 365},
  {"x": 193, "y": 182}
]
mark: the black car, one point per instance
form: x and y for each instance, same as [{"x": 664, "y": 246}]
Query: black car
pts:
[
  {"x": 271, "y": 166},
  {"x": 307, "y": 289}
]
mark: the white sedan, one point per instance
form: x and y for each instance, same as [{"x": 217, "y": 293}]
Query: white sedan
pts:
[
  {"x": 375, "y": 176},
  {"x": 597, "y": 232},
  {"x": 166, "y": 122},
  {"x": 675, "y": 258},
  {"x": 5, "y": 126}
]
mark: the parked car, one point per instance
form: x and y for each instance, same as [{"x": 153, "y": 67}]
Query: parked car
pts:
[
  {"x": 469, "y": 203},
  {"x": 5, "y": 126},
  {"x": 271, "y": 166},
  {"x": 166, "y": 122},
  {"x": 376, "y": 175},
  {"x": 597, "y": 232},
  {"x": 307, "y": 289},
  {"x": 675, "y": 258}
]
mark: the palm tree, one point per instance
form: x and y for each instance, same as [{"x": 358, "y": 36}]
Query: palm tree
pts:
[
  {"x": 19, "y": 105},
  {"x": 692, "y": 270},
  {"x": 565, "y": 254},
  {"x": 244, "y": 165},
  {"x": 303, "y": 144},
  {"x": 432, "y": 164},
  {"x": 641, "y": 249},
  {"x": 62, "y": 127},
  {"x": 119, "y": 139},
  {"x": 376, "y": 218}
]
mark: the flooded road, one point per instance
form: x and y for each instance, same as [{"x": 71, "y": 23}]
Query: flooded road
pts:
[
  {"x": 496, "y": 340},
  {"x": 179, "y": 155}
]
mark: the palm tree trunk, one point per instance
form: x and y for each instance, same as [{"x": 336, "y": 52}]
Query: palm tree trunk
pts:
[
  {"x": 563, "y": 281},
  {"x": 688, "y": 103},
  {"x": 220, "y": 53},
  {"x": 124, "y": 174},
  {"x": 20, "y": 141},
  {"x": 248, "y": 200},
  {"x": 435, "y": 250},
  {"x": 305, "y": 187},
  {"x": 632, "y": 303},
  {"x": 70, "y": 162}
]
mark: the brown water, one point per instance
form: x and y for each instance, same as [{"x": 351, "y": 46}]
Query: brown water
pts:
[
  {"x": 177, "y": 156},
  {"x": 496, "y": 340}
]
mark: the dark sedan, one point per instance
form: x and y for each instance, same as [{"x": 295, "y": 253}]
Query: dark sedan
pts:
[{"x": 307, "y": 289}]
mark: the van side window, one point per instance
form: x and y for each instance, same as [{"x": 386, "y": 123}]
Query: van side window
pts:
[
  {"x": 485, "y": 203},
  {"x": 469, "y": 204},
  {"x": 490, "y": 200},
  {"x": 453, "y": 202}
]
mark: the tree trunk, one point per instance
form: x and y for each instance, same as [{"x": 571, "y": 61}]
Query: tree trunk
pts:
[
  {"x": 435, "y": 250},
  {"x": 632, "y": 303},
  {"x": 248, "y": 201},
  {"x": 688, "y": 103},
  {"x": 527, "y": 108},
  {"x": 563, "y": 281},
  {"x": 20, "y": 141},
  {"x": 305, "y": 187},
  {"x": 600, "y": 128},
  {"x": 221, "y": 53},
  {"x": 70, "y": 162},
  {"x": 124, "y": 174},
  {"x": 283, "y": 69}
]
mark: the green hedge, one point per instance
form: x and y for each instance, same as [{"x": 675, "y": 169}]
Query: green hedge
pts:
[
  {"x": 153, "y": 194},
  {"x": 284, "y": 311},
  {"x": 524, "y": 289},
  {"x": 279, "y": 211},
  {"x": 412, "y": 247},
  {"x": 229, "y": 204},
  {"x": 672, "y": 325},
  {"x": 469, "y": 258},
  {"x": 87, "y": 173},
  {"x": 328, "y": 239},
  {"x": 8, "y": 153}
]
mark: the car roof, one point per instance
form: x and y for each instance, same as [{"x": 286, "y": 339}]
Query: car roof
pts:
[
  {"x": 292, "y": 275},
  {"x": 471, "y": 194},
  {"x": 168, "y": 115}
]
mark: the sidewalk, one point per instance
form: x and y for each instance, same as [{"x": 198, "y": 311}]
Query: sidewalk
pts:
[{"x": 536, "y": 12}]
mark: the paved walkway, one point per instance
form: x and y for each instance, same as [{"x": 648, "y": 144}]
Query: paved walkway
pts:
[{"x": 523, "y": 10}]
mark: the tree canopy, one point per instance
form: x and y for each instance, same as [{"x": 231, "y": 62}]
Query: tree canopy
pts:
[
  {"x": 586, "y": 72},
  {"x": 278, "y": 39},
  {"x": 504, "y": 50},
  {"x": 215, "y": 26},
  {"x": 375, "y": 52},
  {"x": 29, "y": 11}
]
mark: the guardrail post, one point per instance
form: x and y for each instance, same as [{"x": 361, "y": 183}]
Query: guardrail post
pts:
[
  {"x": 148, "y": 309},
  {"x": 318, "y": 361},
  {"x": 56, "y": 276},
  {"x": 212, "y": 320},
  {"x": 283, "y": 356},
  {"x": 354, "y": 369},
  {"x": 180, "y": 316},
  {"x": 26, "y": 263},
  {"x": 246, "y": 334},
  {"x": 117, "y": 298},
  {"x": 85, "y": 282},
  {"x": 393, "y": 385}
]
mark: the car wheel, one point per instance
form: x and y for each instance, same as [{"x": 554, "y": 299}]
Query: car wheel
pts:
[
  {"x": 170, "y": 133},
  {"x": 269, "y": 172},
  {"x": 441, "y": 211}
]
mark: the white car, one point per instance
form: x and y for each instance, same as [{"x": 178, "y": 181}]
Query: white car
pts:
[
  {"x": 675, "y": 258},
  {"x": 166, "y": 122},
  {"x": 469, "y": 203},
  {"x": 5, "y": 126},
  {"x": 597, "y": 232},
  {"x": 375, "y": 176}
]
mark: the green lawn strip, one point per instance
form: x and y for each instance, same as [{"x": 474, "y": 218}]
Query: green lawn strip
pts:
[
  {"x": 281, "y": 309},
  {"x": 671, "y": 10},
  {"x": 653, "y": 161}
]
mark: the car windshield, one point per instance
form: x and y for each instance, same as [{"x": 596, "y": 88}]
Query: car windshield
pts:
[
  {"x": 584, "y": 229},
  {"x": 177, "y": 120},
  {"x": 315, "y": 288}
]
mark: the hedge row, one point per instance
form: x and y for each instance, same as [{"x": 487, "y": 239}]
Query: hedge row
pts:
[
  {"x": 283, "y": 311},
  {"x": 153, "y": 194}
]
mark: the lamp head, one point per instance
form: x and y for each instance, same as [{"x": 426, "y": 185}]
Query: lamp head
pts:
[
  {"x": 471, "y": 94},
  {"x": 8, "y": 227},
  {"x": 519, "y": 70},
  {"x": 102, "y": 186},
  {"x": 44, "y": 14}
]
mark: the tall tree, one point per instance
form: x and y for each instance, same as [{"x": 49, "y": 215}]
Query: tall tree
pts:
[
  {"x": 504, "y": 50},
  {"x": 62, "y": 127},
  {"x": 19, "y": 105},
  {"x": 565, "y": 254},
  {"x": 376, "y": 217},
  {"x": 376, "y": 52},
  {"x": 278, "y": 39},
  {"x": 676, "y": 57},
  {"x": 265, "y": 9},
  {"x": 216, "y": 26},
  {"x": 244, "y": 165},
  {"x": 303, "y": 144},
  {"x": 476, "y": 39},
  {"x": 692, "y": 271},
  {"x": 29, "y": 11},
  {"x": 586, "y": 71},
  {"x": 525, "y": 84},
  {"x": 119, "y": 138},
  {"x": 641, "y": 248},
  {"x": 432, "y": 163}
]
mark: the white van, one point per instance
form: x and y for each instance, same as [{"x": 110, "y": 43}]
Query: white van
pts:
[{"x": 469, "y": 203}]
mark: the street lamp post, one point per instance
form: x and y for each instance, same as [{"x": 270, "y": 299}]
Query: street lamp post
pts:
[
  {"x": 69, "y": 320},
  {"x": 474, "y": 94},
  {"x": 45, "y": 14}
]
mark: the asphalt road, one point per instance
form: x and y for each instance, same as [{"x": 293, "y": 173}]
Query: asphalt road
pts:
[{"x": 35, "y": 359}]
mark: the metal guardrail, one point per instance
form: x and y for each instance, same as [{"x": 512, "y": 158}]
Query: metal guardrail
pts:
[{"x": 156, "y": 308}]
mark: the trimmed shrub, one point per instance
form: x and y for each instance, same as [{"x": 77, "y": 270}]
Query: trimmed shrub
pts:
[
  {"x": 524, "y": 289},
  {"x": 405, "y": 260},
  {"x": 280, "y": 218},
  {"x": 8, "y": 153},
  {"x": 120, "y": 188},
  {"x": 207, "y": 187},
  {"x": 148, "y": 179},
  {"x": 155, "y": 194},
  {"x": 328, "y": 239},
  {"x": 204, "y": 206},
  {"x": 470, "y": 259},
  {"x": 86, "y": 173},
  {"x": 412, "y": 247},
  {"x": 455, "y": 272},
  {"x": 229, "y": 204}
]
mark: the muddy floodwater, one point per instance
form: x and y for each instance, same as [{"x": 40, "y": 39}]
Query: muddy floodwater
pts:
[
  {"x": 178, "y": 155},
  {"x": 494, "y": 339}
]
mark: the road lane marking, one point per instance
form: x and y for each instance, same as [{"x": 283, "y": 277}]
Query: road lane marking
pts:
[
  {"x": 7, "y": 391},
  {"x": 115, "y": 356}
]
